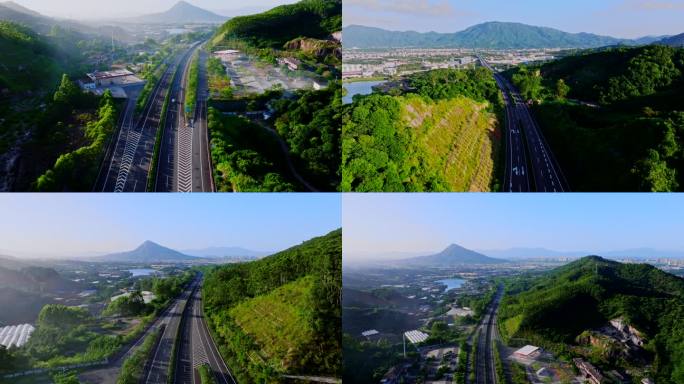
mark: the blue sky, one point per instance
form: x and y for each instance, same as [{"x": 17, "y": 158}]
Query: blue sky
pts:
[
  {"x": 619, "y": 18},
  {"x": 99, "y": 9},
  {"x": 382, "y": 223},
  {"x": 73, "y": 223}
]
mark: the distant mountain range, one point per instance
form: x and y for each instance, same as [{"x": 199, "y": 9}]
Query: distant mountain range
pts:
[
  {"x": 674, "y": 41},
  {"x": 491, "y": 35},
  {"x": 534, "y": 253},
  {"x": 10, "y": 11},
  {"x": 182, "y": 12},
  {"x": 226, "y": 252},
  {"x": 147, "y": 252},
  {"x": 451, "y": 256}
]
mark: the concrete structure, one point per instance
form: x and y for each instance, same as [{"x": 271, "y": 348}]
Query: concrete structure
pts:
[
  {"x": 228, "y": 54},
  {"x": 369, "y": 332},
  {"x": 292, "y": 63},
  {"x": 528, "y": 351},
  {"x": 588, "y": 371},
  {"x": 115, "y": 77}
]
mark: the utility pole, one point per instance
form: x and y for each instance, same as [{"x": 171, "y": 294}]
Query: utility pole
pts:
[{"x": 404, "y": 338}]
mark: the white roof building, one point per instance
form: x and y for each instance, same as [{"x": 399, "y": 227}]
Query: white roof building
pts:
[
  {"x": 416, "y": 336},
  {"x": 369, "y": 332},
  {"x": 527, "y": 351},
  {"x": 15, "y": 335}
]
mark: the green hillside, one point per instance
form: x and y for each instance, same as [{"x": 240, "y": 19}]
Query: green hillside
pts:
[
  {"x": 443, "y": 135},
  {"x": 491, "y": 35},
  {"x": 555, "y": 309},
  {"x": 280, "y": 314},
  {"x": 28, "y": 61},
  {"x": 272, "y": 29},
  {"x": 617, "y": 112}
]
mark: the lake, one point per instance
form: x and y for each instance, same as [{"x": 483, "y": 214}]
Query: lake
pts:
[
  {"x": 452, "y": 283},
  {"x": 358, "y": 88},
  {"x": 141, "y": 272}
]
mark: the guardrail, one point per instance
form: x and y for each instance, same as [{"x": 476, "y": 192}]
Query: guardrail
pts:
[{"x": 38, "y": 371}]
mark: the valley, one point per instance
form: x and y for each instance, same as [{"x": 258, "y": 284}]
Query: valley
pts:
[
  {"x": 198, "y": 102},
  {"x": 554, "y": 88}
]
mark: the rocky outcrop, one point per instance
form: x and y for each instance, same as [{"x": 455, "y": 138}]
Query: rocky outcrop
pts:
[{"x": 317, "y": 48}]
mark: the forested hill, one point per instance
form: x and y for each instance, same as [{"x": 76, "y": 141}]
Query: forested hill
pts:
[
  {"x": 28, "y": 60},
  {"x": 316, "y": 19},
  {"x": 558, "y": 307},
  {"x": 280, "y": 314},
  {"x": 492, "y": 35},
  {"x": 617, "y": 112}
]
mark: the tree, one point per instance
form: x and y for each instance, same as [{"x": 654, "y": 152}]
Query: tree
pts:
[
  {"x": 562, "y": 89},
  {"x": 67, "y": 91},
  {"x": 656, "y": 176}
]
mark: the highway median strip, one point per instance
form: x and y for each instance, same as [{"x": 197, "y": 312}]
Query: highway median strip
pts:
[{"x": 152, "y": 174}]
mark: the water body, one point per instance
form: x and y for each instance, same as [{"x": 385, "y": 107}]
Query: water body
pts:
[
  {"x": 452, "y": 283},
  {"x": 358, "y": 88},
  {"x": 141, "y": 272}
]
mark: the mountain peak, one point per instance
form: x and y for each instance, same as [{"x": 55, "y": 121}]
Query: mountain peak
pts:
[
  {"x": 148, "y": 251},
  {"x": 454, "y": 254},
  {"x": 182, "y": 12}
]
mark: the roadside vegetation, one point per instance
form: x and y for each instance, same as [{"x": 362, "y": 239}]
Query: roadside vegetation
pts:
[
  {"x": 441, "y": 136},
  {"x": 280, "y": 314},
  {"x": 191, "y": 89},
  {"x": 132, "y": 369},
  {"x": 616, "y": 112},
  {"x": 245, "y": 156},
  {"x": 219, "y": 82},
  {"x": 206, "y": 376},
  {"x": 310, "y": 124},
  {"x": 77, "y": 170}
]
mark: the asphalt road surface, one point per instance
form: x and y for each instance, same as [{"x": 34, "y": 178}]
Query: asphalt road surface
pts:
[
  {"x": 485, "y": 368},
  {"x": 530, "y": 164},
  {"x": 162, "y": 355},
  {"x": 197, "y": 348},
  {"x": 129, "y": 165},
  {"x": 109, "y": 374}
]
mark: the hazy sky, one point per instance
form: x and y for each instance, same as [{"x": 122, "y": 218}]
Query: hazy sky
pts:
[
  {"x": 64, "y": 223},
  {"x": 381, "y": 223},
  {"x": 619, "y": 18},
  {"x": 100, "y": 9}
]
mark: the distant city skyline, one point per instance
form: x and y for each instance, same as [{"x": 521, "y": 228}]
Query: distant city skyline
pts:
[
  {"x": 393, "y": 226},
  {"x": 616, "y": 18},
  {"x": 94, "y": 10},
  {"x": 67, "y": 224}
]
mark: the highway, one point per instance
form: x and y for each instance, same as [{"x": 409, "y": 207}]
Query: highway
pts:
[
  {"x": 530, "y": 164},
  {"x": 484, "y": 365},
  {"x": 197, "y": 347},
  {"x": 167, "y": 319},
  {"x": 129, "y": 165},
  {"x": 162, "y": 355},
  {"x": 184, "y": 159}
]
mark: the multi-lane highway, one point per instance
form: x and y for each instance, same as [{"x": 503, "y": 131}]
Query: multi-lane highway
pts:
[
  {"x": 530, "y": 164},
  {"x": 167, "y": 319},
  {"x": 197, "y": 348},
  {"x": 184, "y": 158},
  {"x": 484, "y": 364}
]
